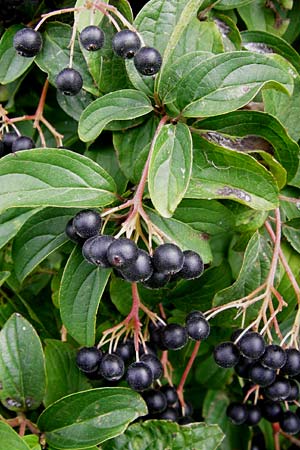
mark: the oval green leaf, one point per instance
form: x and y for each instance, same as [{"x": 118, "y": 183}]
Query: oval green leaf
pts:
[
  {"x": 9, "y": 439},
  {"x": 90, "y": 417},
  {"x": 11, "y": 221}
]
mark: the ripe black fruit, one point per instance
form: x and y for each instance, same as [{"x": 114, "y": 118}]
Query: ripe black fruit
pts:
[
  {"x": 174, "y": 336},
  {"x": 95, "y": 248},
  {"x": 168, "y": 258},
  {"x": 8, "y": 140},
  {"x": 92, "y": 38},
  {"x": 88, "y": 359},
  {"x": 292, "y": 365},
  {"x": 157, "y": 280},
  {"x": 125, "y": 350},
  {"x": 168, "y": 414},
  {"x": 139, "y": 270},
  {"x": 155, "y": 334},
  {"x": 155, "y": 365},
  {"x": 226, "y": 354},
  {"x": 252, "y": 345},
  {"x": 122, "y": 252},
  {"x": 194, "y": 315},
  {"x": 155, "y": 400},
  {"x": 148, "y": 61},
  {"x": 237, "y": 413},
  {"x": 126, "y": 43},
  {"x": 294, "y": 392},
  {"x": 170, "y": 393},
  {"x": 87, "y": 223},
  {"x": 243, "y": 366},
  {"x": 198, "y": 328},
  {"x": 263, "y": 376},
  {"x": 139, "y": 376},
  {"x": 71, "y": 233},
  {"x": 279, "y": 390},
  {"x": 112, "y": 367},
  {"x": 27, "y": 42},
  {"x": 69, "y": 81},
  {"x": 254, "y": 415},
  {"x": 274, "y": 357},
  {"x": 290, "y": 422},
  {"x": 192, "y": 265},
  {"x": 22, "y": 143},
  {"x": 272, "y": 411}
]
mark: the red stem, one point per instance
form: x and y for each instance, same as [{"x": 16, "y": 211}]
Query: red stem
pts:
[
  {"x": 134, "y": 316},
  {"x": 186, "y": 372},
  {"x": 276, "y": 430}
]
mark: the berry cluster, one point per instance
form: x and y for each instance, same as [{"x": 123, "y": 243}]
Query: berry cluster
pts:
[
  {"x": 125, "y": 43},
  {"x": 130, "y": 262},
  {"x": 11, "y": 142},
  {"x": 272, "y": 375}
]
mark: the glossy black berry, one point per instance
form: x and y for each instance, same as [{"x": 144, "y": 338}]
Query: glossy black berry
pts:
[
  {"x": 126, "y": 43},
  {"x": 125, "y": 350},
  {"x": 274, "y": 357},
  {"x": 263, "y": 376},
  {"x": 237, "y": 413},
  {"x": 148, "y": 61},
  {"x": 95, "y": 248},
  {"x": 122, "y": 252},
  {"x": 112, "y": 367},
  {"x": 27, "y": 42},
  {"x": 193, "y": 265},
  {"x": 168, "y": 414},
  {"x": 168, "y": 258},
  {"x": 71, "y": 233},
  {"x": 252, "y": 345},
  {"x": 194, "y": 315},
  {"x": 279, "y": 390},
  {"x": 155, "y": 334},
  {"x": 170, "y": 393},
  {"x": 147, "y": 349},
  {"x": 155, "y": 400},
  {"x": 226, "y": 354},
  {"x": 88, "y": 359},
  {"x": 157, "y": 280},
  {"x": 22, "y": 143},
  {"x": 139, "y": 376},
  {"x": 92, "y": 38},
  {"x": 258, "y": 442},
  {"x": 154, "y": 363},
  {"x": 69, "y": 81},
  {"x": 254, "y": 415},
  {"x": 235, "y": 334},
  {"x": 8, "y": 139},
  {"x": 294, "y": 392},
  {"x": 87, "y": 223},
  {"x": 185, "y": 420},
  {"x": 272, "y": 411},
  {"x": 292, "y": 365},
  {"x": 139, "y": 270},
  {"x": 198, "y": 328},
  {"x": 174, "y": 336},
  {"x": 243, "y": 366},
  {"x": 290, "y": 422}
]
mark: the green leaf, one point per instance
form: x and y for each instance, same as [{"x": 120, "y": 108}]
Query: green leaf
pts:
[
  {"x": 164, "y": 434},
  {"x": 222, "y": 173},
  {"x": 82, "y": 286},
  {"x": 53, "y": 177},
  {"x": 90, "y": 417},
  {"x": 83, "y": 18},
  {"x": 248, "y": 124},
  {"x": 120, "y": 105},
  {"x": 40, "y": 236},
  {"x": 182, "y": 234},
  {"x": 12, "y": 65},
  {"x": 9, "y": 439},
  {"x": 229, "y": 81},
  {"x": 63, "y": 376},
  {"x": 4, "y": 276},
  {"x": 22, "y": 377},
  {"x": 32, "y": 440},
  {"x": 11, "y": 221},
  {"x": 133, "y": 146},
  {"x": 211, "y": 376},
  {"x": 230, "y": 4},
  {"x": 258, "y": 16},
  {"x": 56, "y": 39},
  {"x": 170, "y": 168},
  {"x": 291, "y": 231}
]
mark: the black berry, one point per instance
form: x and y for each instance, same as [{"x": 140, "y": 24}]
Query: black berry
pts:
[
  {"x": 226, "y": 354},
  {"x": 192, "y": 265},
  {"x": 87, "y": 223},
  {"x": 22, "y": 143},
  {"x": 8, "y": 140},
  {"x": 292, "y": 365},
  {"x": 139, "y": 270},
  {"x": 170, "y": 393},
  {"x": 185, "y": 420},
  {"x": 194, "y": 315},
  {"x": 254, "y": 415},
  {"x": 88, "y": 359},
  {"x": 125, "y": 350},
  {"x": 92, "y": 38},
  {"x": 155, "y": 334},
  {"x": 69, "y": 81},
  {"x": 290, "y": 422},
  {"x": 168, "y": 414},
  {"x": 263, "y": 376},
  {"x": 168, "y": 258},
  {"x": 157, "y": 280},
  {"x": 237, "y": 413},
  {"x": 252, "y": 345},
  {"x": 122, "y": 252},
  {"x": 279, "y": 390},
  {"x": 174, "y": 336},
  {"x": 155, "y": 400},
  {"x": 243, "y": 366},
  {"x": 95, "y": 248},
  {"x": 148, "y": 61},
  {"x": 27, "y": 42},
  {"x": 112, "y": 367},
  {"x": 139, "y": 376},
  {"x": 272, "y": 411},
  {"x": 71, "y": 233},
  {"x": 126, "y": 43},
  {"x": 198, "y": 328},
  {"x": 154, "y": 363},
  {"x": 294, "y": 392},
  {"x": 274, "y": 357}
]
